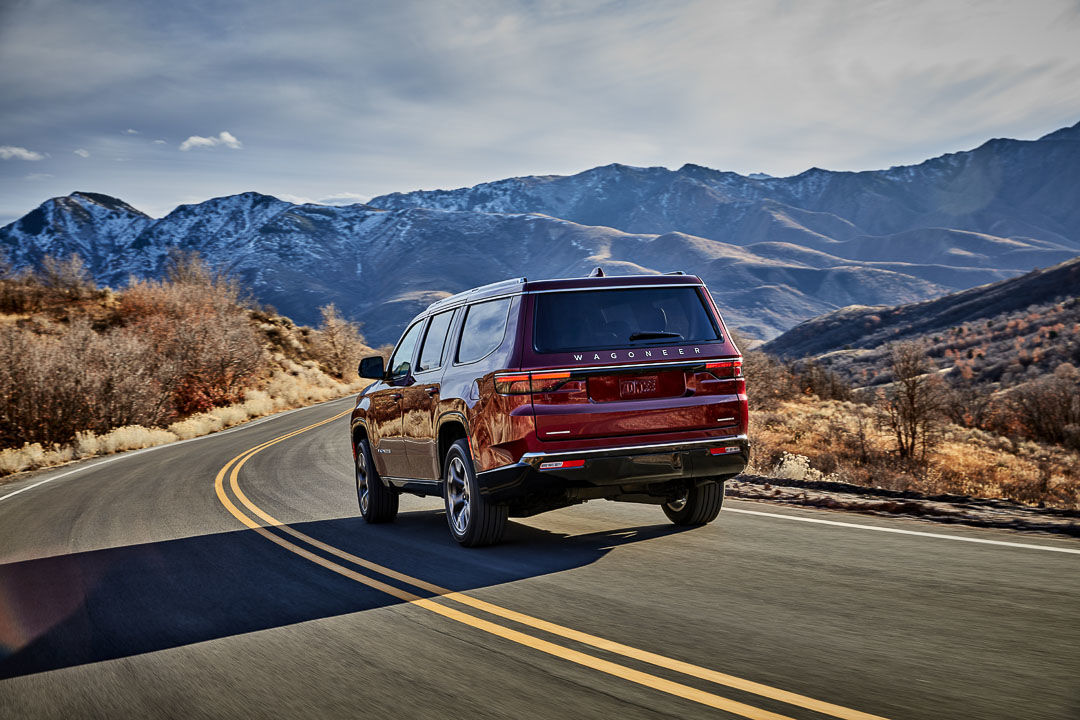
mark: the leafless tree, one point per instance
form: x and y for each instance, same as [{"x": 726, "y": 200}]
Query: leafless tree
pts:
[{"x": 911, "y": 406}]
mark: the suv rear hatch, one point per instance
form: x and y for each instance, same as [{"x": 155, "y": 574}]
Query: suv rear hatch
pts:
[{"x": 631, "y": 361}]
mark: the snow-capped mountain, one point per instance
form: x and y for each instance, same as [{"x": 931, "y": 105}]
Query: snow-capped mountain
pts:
[{"x": 774, "y": 251}]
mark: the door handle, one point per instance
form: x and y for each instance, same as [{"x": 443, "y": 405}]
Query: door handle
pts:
[
  {"x": 395, "y": 396},
  {"x": 431, "y": 390}
]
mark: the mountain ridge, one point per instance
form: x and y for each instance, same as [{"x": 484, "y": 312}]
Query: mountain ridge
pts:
[{"x": 774, "y": 251}]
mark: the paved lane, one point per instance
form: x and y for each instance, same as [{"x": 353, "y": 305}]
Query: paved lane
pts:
[{"x": 129, "y": 590}]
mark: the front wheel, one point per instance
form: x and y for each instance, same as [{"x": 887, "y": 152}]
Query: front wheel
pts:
[
  {"x": 378, "y": 503},
  {"x": 472, "y": 519},
  {"x": 699, "y": 506}
]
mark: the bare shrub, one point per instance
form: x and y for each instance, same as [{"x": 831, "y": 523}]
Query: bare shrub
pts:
[
  {"x": 339, "y": 342},
  {"x": 968, "y": 404},
  {"x": 1048, "y": 408},
  {"x": 768, "y": 380},
  {"x": 796, "y": 467},
  {"x": 54, "y": 385},
  {"x": 813, "y": 379},
  {"x": 196, "y": 323},
  {"x": 69, "y": 277}
]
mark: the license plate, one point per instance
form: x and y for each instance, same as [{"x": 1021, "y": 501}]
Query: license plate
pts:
[{"x": 637, "y": 387}]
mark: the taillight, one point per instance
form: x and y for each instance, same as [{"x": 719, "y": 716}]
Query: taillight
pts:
[
  {"x": 725, "y": 368},
  {"x": 522, "y": 383},
  {"x": 513, "y": 384}
]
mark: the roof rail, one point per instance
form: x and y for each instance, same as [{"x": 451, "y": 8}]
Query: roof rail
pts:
[
  {"x": 464, "y": 295},
  {"x": 675, "y": 272}
]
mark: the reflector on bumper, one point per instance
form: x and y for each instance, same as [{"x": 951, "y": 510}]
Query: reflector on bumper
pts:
[
  {"x": 562, "y": 465},
  {"x": 724, "y": 450}
]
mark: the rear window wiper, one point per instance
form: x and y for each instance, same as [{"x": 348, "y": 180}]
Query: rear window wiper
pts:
[{"x": 653, "y": 334}]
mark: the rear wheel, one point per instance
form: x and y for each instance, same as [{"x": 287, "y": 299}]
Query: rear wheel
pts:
[
  {"x": 378, "y": 503},
  {"x": 472, "y": 519},
  {"x": 699, "y": 506}
]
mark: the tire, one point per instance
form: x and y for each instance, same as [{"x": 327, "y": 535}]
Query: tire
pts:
[
  {"x": 473, "y": 520},
  {"x": 378, "y": 503},
  {"x": 700, "y": 506}
]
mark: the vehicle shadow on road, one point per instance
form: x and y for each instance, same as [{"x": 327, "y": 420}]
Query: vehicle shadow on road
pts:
[{"x": 79, "y": 608}]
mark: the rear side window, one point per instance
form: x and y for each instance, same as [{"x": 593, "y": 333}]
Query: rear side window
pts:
[
  {"x": 431, "y": 354},
  {"x": 485, "y": 325},
  {"x": 401, "y": 360},
  {"x": 636, "y": 317}
]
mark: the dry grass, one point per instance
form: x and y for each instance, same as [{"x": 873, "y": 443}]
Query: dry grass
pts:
[{"x": 809, "y": 439}]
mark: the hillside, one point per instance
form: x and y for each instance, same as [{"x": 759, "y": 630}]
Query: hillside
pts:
[
  {"x": 774, "y": 251},
  {"x": 1008, "y": 330},
  {"x": 86, "y": 371}
]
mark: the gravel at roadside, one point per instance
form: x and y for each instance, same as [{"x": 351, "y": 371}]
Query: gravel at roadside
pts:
[{"x": 955, "y": 509}]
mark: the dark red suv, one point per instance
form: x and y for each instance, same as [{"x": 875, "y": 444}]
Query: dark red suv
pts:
[{"x": 520, "y": 397}]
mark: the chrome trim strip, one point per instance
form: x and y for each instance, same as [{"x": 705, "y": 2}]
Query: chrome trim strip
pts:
[
  {"x": 662, "y": 365},
  {"x": 433, "y": 483},
  {"x": 674, "y": 446}
]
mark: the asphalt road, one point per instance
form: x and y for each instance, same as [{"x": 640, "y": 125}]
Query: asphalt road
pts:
[{"x": 137, "y": 587}]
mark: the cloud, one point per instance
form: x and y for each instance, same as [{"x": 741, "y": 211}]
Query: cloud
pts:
[
  {"x": 345, "y": 198},
  {"x": 131, "y": 131},
  {"x": 225, "y": 138},
  {"x": 159, "y": 142},
  {"x": 82, "y": 153},
  {"x": 339, "y": 199},
  {"x": 10, "y": 152},
  {"x": 38, "y": 176}
]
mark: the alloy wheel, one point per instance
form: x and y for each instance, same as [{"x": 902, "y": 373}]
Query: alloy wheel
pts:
[
  {"x": 457, "y": 496},
  {"x": 362, "y": 487}
]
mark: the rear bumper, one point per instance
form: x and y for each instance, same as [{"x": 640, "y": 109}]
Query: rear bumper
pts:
[{"x": 615, "y": 466}]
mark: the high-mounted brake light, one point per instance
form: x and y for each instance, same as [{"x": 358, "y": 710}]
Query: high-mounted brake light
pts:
[{"x": 562, "y": 465}]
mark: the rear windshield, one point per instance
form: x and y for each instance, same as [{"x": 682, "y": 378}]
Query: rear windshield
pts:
[{"x": 638, "y": 317}]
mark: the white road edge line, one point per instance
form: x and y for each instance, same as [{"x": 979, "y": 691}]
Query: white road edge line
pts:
[
  {"x": 819, "y": 521},
  {"x": 132, "y": 453}
]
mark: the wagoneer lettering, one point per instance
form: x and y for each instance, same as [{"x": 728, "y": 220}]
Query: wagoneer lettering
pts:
[{"x": 521, "y": 397}]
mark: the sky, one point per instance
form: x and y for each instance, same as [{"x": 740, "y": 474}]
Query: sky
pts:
[{"x": 167, "y": 103}]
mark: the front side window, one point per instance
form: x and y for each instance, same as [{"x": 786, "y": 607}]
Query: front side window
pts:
[
  {"x": 401, "y": 360},
  {"x": 485, "y": 325},
  {"x": 594, "y": 319},
  {"x": 431, "y": 354}
]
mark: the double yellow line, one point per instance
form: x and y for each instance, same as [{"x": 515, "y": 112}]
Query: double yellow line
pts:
[{"x": 275, "y": 531}]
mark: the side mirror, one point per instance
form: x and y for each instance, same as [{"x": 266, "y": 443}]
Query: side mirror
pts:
[{"x": 372, "y": 368}]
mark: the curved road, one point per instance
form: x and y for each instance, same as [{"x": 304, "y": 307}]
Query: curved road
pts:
[{"x": 231, "y": 576}]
